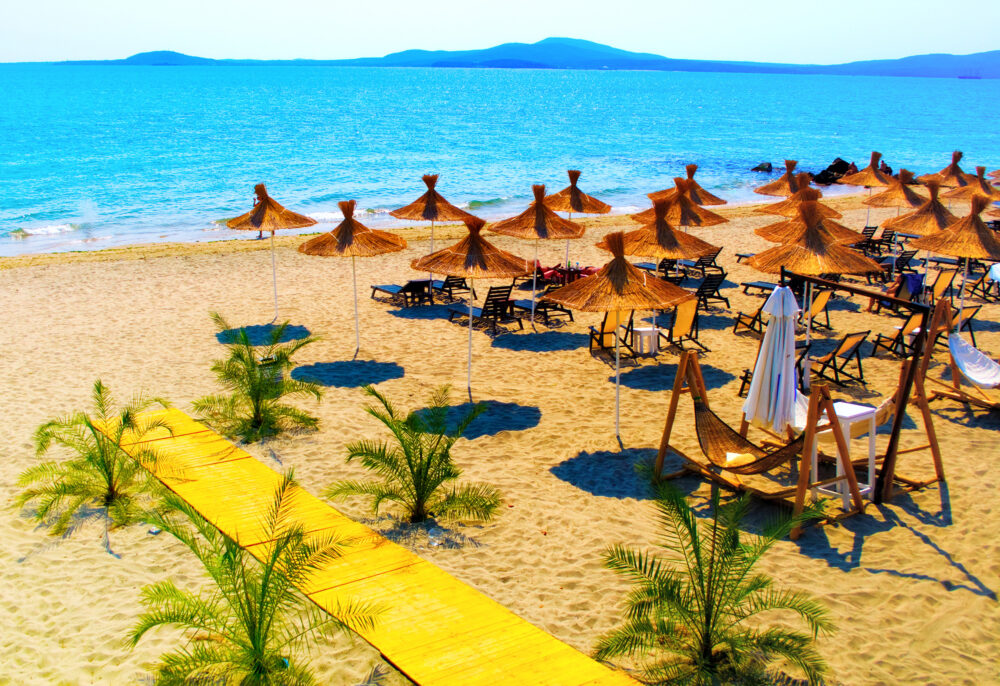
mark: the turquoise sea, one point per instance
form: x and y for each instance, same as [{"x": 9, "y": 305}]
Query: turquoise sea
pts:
[{"x": 95, "y": 156}]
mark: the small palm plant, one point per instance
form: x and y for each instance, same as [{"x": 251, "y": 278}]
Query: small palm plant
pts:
[
  {"x": 688, "y": 617},
  {"x": 252, "y": 627},
  {"x": 416, "y": 470},
  {"x": 100, "y": 475},
  {"x": 256, "y": 381}
]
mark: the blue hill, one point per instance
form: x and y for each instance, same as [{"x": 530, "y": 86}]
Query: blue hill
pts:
[{"x": 572, "y": 53}]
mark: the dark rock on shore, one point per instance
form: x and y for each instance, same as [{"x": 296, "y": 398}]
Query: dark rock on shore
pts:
[
  {"x": 832, "y": 174},
  {"x": 763, "y": 167}
]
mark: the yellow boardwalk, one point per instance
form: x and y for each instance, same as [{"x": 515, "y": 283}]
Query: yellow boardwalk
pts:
[{"x": 433, "y": 628}]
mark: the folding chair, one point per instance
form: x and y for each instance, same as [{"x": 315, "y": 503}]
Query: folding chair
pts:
[
  {"x": 604, "y": 337},
  {"x": 753, "y": 323},
  {"x": 941, "y": 284},
  {"x": 838, "y": 359},
  {"x": 684, "y": 326},
  {"x": 819, "y": 307},
  {"x": 983, "y": 288},
  {"x": 900, "y": 343},
  {"x": 708, "y": 290}
]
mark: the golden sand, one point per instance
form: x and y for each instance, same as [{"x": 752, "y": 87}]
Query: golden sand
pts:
[{"x": 911, "y": 585}]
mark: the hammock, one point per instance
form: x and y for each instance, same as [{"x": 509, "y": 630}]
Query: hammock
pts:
[
  {"x": 727, "y": 449},
  {"x": 978, "y": 369}
]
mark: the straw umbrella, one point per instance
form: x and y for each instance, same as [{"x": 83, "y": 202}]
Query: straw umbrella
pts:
[
  {"x": 789, "y": 207},
  {"x": 269, "y": 215},
  {"x": 473, "y": 258},
  {"x": 681, "y": 210},
  {"x": 353, "y": 239},
  {"x": 978, "y": 185},
  {"x": 967, "y": 238},
  {"x": 785, "y": 185},
  {"x": 618, "y": 287},
  {"x": 790, "y": 230},
  {"x": 571, "y": 199},
  {"x": 538, "y": 222},
  {"x": 930, "y": 217},
  {"x": 869, "y": 177},
  {"x": 697, "y": 194},
  {"x": 816, "y": 251},
  {"x": 432, "y": 207},
  {"x": 899, "y": 194},
  {"x": 950, "y": 176}
]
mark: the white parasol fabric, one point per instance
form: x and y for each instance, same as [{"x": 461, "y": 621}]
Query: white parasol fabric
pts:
[{"x": 770, "y": 404}]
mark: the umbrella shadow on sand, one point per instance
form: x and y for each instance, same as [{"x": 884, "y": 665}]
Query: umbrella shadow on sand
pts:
[
  {"x": 660, "y": 377},
  {"x": 260, "y": 334},
  {"x": 497, "y": 417},
  {"x": 348, "y": 373},
  {"x": 546, "y": 341},
  {"x": 423, "y": 312},
  {"x": 617, "y": 474}
]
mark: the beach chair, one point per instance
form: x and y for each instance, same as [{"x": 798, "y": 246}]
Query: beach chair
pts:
[
  {"x": 983, "y": 288},
  {"x": 969, "y": 313},
  {"x": 542, "y": 276},
  {"x": 603, "y": 338},
  {"x": 820, "y": 301},
  {"x": 753, "y": 323},
  {"x": 901, "y": 342},
  {"x": 496, "y": 309},
  {"x": 837, "y": 360},
  {"x": 765, "y": 287},
  {"x": 740, "y": 256},
  {"x": 544, "y": 308},
  {"x": 684, "y": 327},
  {"x": 941, "y": 284},
  {"x": 709, "y": 290},
  {"x": 703, "y": 265},
  {"x": 885, "y": 242},
  {"x": 982, "y": 373},
  {"x": 867, "y": 245},
  {"x": 412, "y": 292},
  {"x": 452, "y": 285}
]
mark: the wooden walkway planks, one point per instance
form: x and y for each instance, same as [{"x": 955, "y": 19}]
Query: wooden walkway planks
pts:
[{"x": 435, "y": 629}]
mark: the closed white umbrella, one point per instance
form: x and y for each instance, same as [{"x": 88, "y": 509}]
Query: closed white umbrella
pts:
[{"x": 770, "y": 404}]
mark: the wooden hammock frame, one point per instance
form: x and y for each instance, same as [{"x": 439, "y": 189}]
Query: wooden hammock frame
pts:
[
  {"x": 689, "y": 379},
  {"x": 954, "y": 391}
]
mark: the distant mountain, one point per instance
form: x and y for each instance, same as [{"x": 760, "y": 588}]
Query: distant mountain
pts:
[{"x": 571, "y": 53}]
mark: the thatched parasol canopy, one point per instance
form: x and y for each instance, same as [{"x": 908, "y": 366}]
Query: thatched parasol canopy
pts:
[
  {"x": 900, "y": 193},
  {"x": 815, "y": 252},
  {"x": 930, "y": 217},
  {"x": 269, "y": 215},
  {"x": 950, "y": 176},
  {"x": 978, "y": 185},
  {"x": 431, "y": 206},
  {"x": 995, "y": 174},
  {"x": 696, "y": 193},
  {"x": 681, "y": 210},
  {"x": 784, "y": 186},
  {"x": 869, "y": 177},
  {"x": 792, "y": 229},
  {"x": 538, "y": 222},
  {"x": 473, "y": 257},
  {"x": 618, "y": 286},
  {"x": 967, "y": 237},
  {"x": 995, "y": 212},
  {"x": 789, "y": 207},
  {"x": 572, "y": 199},
  {"x": 351, "y": 238},
  {"x": 660, "y": 240}
]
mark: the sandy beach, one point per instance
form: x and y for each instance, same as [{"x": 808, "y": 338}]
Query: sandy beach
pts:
[{"x": 911, "y": 585}]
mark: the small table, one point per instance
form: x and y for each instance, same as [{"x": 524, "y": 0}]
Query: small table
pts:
[
  {"x": 849, "y": 414},
  {"x": 647, "y": 339}
]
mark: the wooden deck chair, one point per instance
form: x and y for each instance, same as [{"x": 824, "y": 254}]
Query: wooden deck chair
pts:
[
  {"x": 983, "y": 288},
  {"x": 753, "y": 323},
  {"x": 496, "y": 309},
  {"x": 867, "y": 246},
  {"x": 838, "y": 359},
  {"x": 900, "y": 343},
  {"x": 969, "y": 313},
  {"x": 703, "y": 265},
  {"x": 729, "y": 454},
  {"x": 604, "y": 337},
  {"x": 452, "y": 285},
  {"x": 684, "y": 327},
  {"x": 544, "y": 308},
  {"x": 885, "y": 242},
  {"x": 820, "y": 301},
  {"x": 941, "y": 284},
  {"x": 708, "y": 290}
]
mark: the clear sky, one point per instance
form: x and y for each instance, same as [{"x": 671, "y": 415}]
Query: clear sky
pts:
[{"x": 800, "y": 31}]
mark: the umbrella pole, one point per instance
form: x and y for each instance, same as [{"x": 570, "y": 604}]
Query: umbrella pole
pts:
[
  {"x": 868, "y": 210},
  {"x": 430, "y": 275},
  {"x": 618, "y": 434},
  {"x": 472, "y": 289},
  {"x": 569, "y": 215},
  {"x": 357, "y": 326},
  {"x": 961, "y": 300},
  {"x": 534, "y": 278},
  {"x": 274, "y": 276},
  {"x": 809, "y": 314}
]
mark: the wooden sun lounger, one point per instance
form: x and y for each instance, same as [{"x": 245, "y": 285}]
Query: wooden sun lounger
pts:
[
  {"x": 412, "y": 292},
  {"x": 764, "y": 287},
  {"x": 432, "y": 627}
]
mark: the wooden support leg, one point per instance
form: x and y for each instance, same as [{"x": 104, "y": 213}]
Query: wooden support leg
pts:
[
  {"x": 668, "y": 427},
  {"x": 805, "y": 469}
]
